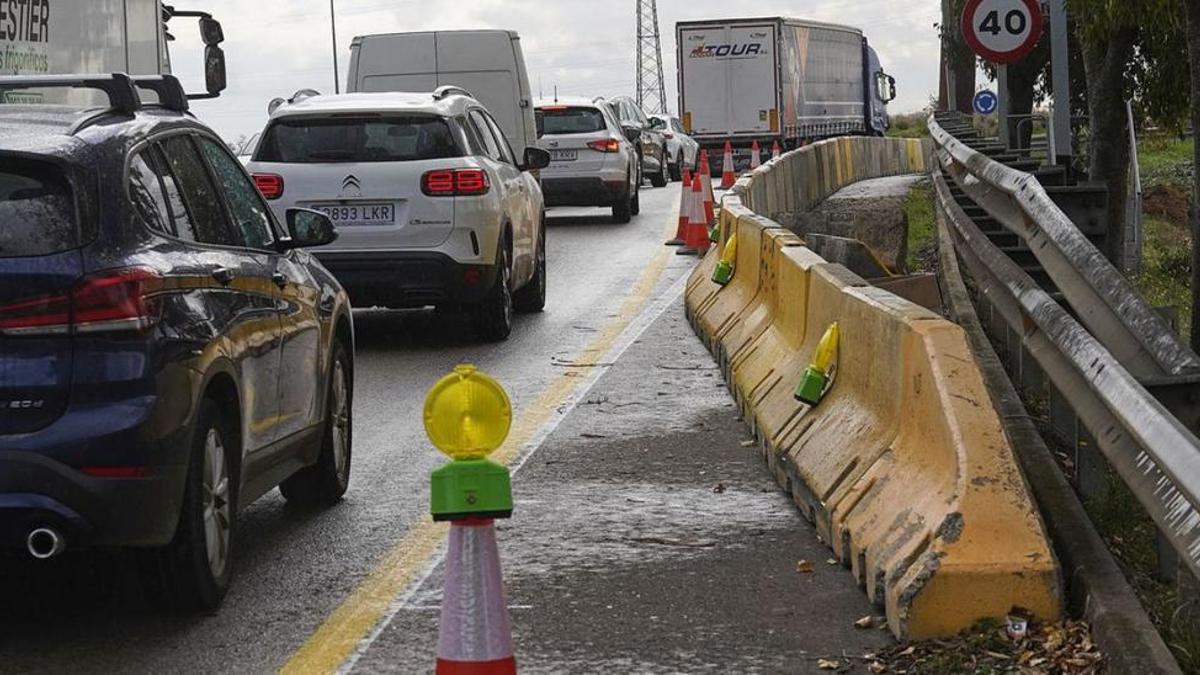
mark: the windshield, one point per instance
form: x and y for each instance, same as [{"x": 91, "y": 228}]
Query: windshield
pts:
[
  {"x": 311, "y": 140},
  {"x": 557, "y": 121},
  {"x": 37, "y": 215}
]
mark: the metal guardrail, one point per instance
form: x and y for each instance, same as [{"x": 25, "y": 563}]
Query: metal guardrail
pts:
[{"x": 1099, "y": 362}]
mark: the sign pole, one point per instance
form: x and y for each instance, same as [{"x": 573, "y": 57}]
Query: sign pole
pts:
[
  {"x": 1061, "y": 72},
  {"x": 1003, "y": 102}
]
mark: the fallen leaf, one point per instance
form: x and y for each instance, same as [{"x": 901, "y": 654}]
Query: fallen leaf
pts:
[
  {"x": 865, "y": 622},
  {"x": 877, "y": 667},
  {"x": 909, "y": 652},
  {"x": 831, "y": 561},
  {"x": 805, "y": 567},
  {"x": 828, "y": 664},
  {"x": 748, "y": 444}
]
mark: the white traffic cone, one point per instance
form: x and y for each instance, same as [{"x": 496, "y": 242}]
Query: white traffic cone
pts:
[
  {"x": 728, "y": 175},
  {"x": 475, "y": 636}
]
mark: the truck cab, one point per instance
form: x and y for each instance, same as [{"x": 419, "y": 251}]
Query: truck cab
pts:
[{"x": 881, "y": 92}]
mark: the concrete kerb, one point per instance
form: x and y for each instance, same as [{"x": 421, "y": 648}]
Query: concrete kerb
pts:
[
  {"x": 941, "y": 534},
  {"x": 1096, "y": 589}
]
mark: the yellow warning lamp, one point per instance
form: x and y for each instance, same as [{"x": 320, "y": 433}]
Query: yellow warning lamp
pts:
[
  {"x": 723, "y": 274},
  {"x": 816, "y": 379},
  {"x": 468, "y": 416}
]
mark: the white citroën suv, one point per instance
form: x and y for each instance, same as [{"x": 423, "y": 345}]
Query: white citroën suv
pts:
[{"x": 432, "y": 206}]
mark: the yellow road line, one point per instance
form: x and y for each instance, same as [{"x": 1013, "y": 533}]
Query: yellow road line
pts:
[{"x": 336, "y": 639}]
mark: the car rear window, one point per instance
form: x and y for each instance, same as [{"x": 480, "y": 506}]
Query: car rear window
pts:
[
  {"x": 314, "y": 140},
  {"x": 569, "y": 120},
  {"x": 37, "y": 210}
]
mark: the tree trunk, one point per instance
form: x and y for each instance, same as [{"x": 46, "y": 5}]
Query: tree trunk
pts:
[
  {"x": 1108, "y": 142},
  {"x": 1193, "y": 40},
  {"x": 964, "y": 81}
]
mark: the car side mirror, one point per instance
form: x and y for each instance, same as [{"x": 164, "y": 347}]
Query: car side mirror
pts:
[
  {"x": 309, "y": 229},
  {"x": 892, "y": 89},
  {"x": 632, "y": 133},
  {"x": 535, "y": 159}
]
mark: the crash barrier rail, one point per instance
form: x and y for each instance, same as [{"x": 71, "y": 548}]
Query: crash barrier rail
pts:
[
  {"x": 1107, "y": 355},
  {"x": 903, "y": 466}
]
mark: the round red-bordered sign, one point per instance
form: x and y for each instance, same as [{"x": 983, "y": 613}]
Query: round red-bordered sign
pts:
[{"x": 1002, "y": 31}]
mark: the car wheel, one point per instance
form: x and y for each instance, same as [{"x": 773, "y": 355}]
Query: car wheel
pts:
[
  {"x": 532, "y": 298},
  {"x": 661, "y": 178},
  {"x": 493, "y": 318},
  {"x": 193, "y": 571},
  {"x": 677, "y": 168},
  {"x": 325, "y": 482}
]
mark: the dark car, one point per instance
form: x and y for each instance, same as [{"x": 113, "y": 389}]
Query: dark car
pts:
[
  {"x": 168, "y": 352},
  {"x": 652, "y": 144}
]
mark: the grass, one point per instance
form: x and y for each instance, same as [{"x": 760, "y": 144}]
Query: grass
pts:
[
  {"x": 913, "y": 125},
  {"x": 1165, "y": 280},
  {"x": 922, "y": 231},
  {"x": 1166, "y": 160}
]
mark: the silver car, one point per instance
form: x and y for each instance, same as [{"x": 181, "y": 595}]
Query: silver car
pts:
[
  {"x": 592, "y": 160},
  {"x": 682, "y": 150}
]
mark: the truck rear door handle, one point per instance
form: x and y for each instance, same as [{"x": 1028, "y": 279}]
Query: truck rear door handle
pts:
[{"x": 224, "y": 276}]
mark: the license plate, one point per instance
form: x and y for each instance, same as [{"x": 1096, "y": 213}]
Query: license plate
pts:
[
  {"x": 564, "y": 155},
  {"x": 359, "y": 214}
]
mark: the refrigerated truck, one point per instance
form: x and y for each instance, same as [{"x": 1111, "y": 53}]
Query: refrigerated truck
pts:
[
  {"x": 776, "y": 79},
  {"x": 66, "y": 37}
]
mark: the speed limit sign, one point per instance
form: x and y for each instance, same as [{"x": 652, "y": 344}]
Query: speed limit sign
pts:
[{"x": 1002, "y": 31}]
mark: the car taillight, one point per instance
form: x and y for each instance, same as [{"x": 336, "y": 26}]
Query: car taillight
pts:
[
  {"x": 455, "y": 183},
  {"x": 116, "y": 300},
  {"x": 269, "y": 184},
  {"x": 610, "y": 145}
]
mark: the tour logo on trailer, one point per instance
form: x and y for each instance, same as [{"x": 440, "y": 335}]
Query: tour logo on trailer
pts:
[{"x": 735, "y": 50}]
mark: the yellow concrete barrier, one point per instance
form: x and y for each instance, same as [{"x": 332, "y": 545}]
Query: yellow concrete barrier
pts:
[{"x": 904, "y": 466}]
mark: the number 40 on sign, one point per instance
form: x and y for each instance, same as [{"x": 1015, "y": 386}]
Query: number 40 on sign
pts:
[{"x": 1002, "y": 31}]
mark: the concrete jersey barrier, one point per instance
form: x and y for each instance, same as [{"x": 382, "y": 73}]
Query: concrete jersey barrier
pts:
[{"x": 904, "y": 467}]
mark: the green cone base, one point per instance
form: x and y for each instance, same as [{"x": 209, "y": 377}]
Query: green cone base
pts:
[
  {"x": 812, "y": 387},
  {"x": 471, "y": 489},
  {"x": 723, "y": 274}
]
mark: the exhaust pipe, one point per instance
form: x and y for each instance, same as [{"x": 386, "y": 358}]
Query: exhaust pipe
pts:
[{"x": 45, "y": 543}]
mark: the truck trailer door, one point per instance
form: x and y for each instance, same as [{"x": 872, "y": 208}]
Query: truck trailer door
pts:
[
  {"x": 753, "y": 86},
  {"x": 730, "y": 79}
]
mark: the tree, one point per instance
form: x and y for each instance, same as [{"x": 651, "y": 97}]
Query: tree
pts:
[
  {"x": 1114, "y": 35},
  {"x": 958, "y": 57}
]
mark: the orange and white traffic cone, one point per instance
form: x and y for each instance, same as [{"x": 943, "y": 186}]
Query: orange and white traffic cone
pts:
[
  {"x": 691, "y": 214},
  {"x": 684, "y": 195},
  {"x": 728, "y": 177},
  {"x": 696, "y": 237},
  {"x": 475, "y": 636},
  {"x": 755, "y": 156},
  {"x": 776, "y": 151},
  {"x": 706, "y": 177}
]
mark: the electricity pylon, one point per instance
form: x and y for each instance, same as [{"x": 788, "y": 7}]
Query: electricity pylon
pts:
[{"x": 651, "y": 87}]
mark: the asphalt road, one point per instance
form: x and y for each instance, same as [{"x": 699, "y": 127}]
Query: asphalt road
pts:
[{"x": 295, "y": 568}]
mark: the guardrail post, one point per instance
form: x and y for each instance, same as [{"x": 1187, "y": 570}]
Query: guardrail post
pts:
[{"x": 1091, "y": 470}]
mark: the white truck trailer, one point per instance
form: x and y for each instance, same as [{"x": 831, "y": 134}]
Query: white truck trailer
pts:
[
  {"x": 64, "y": 37},
  {"x": 777, "y": 79}
]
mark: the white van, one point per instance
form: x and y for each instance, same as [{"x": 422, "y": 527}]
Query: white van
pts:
[{"x": 487, "y": 63}]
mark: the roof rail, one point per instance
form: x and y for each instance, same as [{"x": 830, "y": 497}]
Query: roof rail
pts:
[
  {"x": 450, "y": 90},
  {"x": 122, "y": 95},
  {"x": 170, "y": 91}
]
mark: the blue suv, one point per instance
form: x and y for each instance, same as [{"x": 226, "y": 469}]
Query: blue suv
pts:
[{"x": 168, "y": 352}]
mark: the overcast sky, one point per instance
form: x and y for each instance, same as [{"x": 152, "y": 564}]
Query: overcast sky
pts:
[{"x": 585, "y": 47}]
